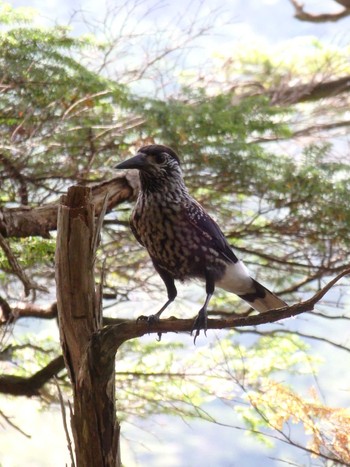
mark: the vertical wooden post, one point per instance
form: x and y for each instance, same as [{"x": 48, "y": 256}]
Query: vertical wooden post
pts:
[{"x": 94, "y": 424}]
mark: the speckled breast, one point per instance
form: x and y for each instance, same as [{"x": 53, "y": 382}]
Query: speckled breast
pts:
[{"x": 169, "y": 239}]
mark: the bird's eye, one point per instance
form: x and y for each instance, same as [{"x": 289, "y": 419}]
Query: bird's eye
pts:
[{"x": 160, "y": 158}]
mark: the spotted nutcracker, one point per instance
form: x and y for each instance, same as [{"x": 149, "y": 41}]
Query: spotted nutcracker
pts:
[{"x": 183, "y": 241}]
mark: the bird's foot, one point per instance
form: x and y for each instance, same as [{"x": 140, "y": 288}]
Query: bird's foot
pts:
[
  {"x": 200, "y": 323},
  {"x": 151, "y": 319}
]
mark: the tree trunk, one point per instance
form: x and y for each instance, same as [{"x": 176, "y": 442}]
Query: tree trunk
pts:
[{"x": 91, "y": 370}]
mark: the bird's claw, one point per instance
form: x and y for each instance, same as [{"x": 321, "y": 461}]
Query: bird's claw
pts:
[{"x": 200, "y": 323}]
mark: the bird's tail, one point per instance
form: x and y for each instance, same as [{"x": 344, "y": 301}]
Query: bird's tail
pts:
[
  {"x": 236, "y": 279},
  {"x": 262, "y": 299}
]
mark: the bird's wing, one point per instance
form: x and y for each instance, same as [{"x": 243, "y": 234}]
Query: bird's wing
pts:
[
  {"x": 208, "y": 229},
  {"x": 134, "y": 231}
]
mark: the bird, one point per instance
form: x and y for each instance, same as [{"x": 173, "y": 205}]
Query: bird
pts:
[{"x": 182, "y": 239}]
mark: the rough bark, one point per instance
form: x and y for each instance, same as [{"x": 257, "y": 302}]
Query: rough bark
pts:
[{"x": 94, "y": 424}]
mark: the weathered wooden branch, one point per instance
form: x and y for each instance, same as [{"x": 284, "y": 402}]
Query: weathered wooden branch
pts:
[
  {"x": 40, "y": 221},
  {"x": 94, "y": 424}
]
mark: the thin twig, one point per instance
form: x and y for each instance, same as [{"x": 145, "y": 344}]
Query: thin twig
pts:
[
  {"x": 65, "y": 425},
  {"x": 17, "y": 428}
]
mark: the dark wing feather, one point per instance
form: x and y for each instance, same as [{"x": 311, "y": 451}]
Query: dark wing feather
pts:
[{"x": 208, "y": 229}]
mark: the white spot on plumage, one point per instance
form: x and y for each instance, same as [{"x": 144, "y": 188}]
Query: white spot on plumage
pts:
[{"x": 236, "y": 279}]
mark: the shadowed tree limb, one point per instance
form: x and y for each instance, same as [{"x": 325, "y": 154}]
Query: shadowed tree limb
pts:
[
  {"x": 22, "y": 386},
  {"x": 9, "y": 314},
  {"x": 303, "y": 15}
]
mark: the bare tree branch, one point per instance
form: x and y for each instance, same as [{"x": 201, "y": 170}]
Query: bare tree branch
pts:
[
  {"x": 39, "y": 221},
  {"x": 21, "y": 386},
  {"x": 10, "y": 422},
  {"x": 303, "y": 15},
  {"x": 114, "y": 335},
  {"x": 311, "y": 91}
]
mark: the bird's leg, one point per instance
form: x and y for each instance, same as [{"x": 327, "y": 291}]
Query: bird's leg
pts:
[
  {"x": 172, "y": 292},
  {"x": 151, "y": 319},
  {"x": 202, "y": 317}
]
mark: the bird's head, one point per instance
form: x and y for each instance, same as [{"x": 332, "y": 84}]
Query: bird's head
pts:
[{"x": 159, "y": 167}]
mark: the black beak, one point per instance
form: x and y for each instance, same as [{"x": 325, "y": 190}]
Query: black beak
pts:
[{"x": 137, "y": 162}]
